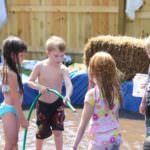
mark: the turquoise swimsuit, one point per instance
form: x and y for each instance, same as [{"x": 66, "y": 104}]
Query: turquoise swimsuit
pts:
[{"x": 6, "y": 108}]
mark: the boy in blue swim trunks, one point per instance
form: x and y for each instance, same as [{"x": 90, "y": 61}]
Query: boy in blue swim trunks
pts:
[{"x": 50, "y": 109}]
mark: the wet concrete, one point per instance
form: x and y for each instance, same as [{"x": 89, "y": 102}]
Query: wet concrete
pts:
[{"x": 132, "y": 127}]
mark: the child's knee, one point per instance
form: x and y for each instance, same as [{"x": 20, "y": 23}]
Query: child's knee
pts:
[
  {"x": 12, "y": 140},
  {"x": 57, "y": 133},
  {"x": 11, "y": 143}
]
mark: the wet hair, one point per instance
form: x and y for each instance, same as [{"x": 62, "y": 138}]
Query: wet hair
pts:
[
  {"x": 102, "y": 67},
  {"x": 11, "y": 48},
  {"x": 55, "y": 43}
]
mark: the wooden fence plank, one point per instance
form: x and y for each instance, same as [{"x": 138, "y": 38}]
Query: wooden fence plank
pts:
[
  {"x": 71, "y": 9},
  {"x": 74, "y": 20}
]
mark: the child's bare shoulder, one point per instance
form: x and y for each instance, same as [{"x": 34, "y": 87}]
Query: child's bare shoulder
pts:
[
  {"x": 11, "y": 74},
  {"x": 91, "y": 92},
  {"x": 40, "y": 64},
  {"x": 89, "y": 97},
  {"x": 64, "y": 68}
]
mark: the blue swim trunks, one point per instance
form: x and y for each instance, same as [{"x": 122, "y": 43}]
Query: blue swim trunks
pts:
[{"x": 5, "y": 108}]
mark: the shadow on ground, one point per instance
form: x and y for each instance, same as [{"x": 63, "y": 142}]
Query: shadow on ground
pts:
[{"x": 130, "y": 115}]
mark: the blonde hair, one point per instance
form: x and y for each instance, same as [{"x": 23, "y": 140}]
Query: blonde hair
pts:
[
  {"x": 102, "y": 67},
  {"x": 55, "y": 43}
]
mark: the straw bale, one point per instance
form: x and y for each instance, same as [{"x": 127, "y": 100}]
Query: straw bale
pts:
[{"x": 128, "y": 52}]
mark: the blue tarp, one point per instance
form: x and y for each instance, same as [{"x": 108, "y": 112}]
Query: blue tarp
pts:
[
  {"x": 29, "y": 95},
  {"x": 80, "y": 85},
  {"x": 130, "y": 102}
]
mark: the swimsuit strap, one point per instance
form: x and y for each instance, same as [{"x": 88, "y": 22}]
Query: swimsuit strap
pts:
[{"x": 5, "y": 88}]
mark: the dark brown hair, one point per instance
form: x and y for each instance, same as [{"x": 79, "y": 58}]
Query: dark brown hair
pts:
[{"x": 12, "y": 46}]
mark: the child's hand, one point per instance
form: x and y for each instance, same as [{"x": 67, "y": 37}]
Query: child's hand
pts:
[
  {"x": 24, "y": 123},
  {"x": 43, "y": 89},
  {"x": 142, "y": 108},
  {"x": 143, "y": 86},
  {"x": 66, "y": 98}
]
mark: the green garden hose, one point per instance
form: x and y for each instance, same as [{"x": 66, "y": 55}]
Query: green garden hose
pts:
[{"x": 33, "y": 105}]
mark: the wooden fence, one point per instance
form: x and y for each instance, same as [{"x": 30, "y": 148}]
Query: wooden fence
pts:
[
  {"x": 140, "y": 27},
  {"x": 74, "y": 20}
]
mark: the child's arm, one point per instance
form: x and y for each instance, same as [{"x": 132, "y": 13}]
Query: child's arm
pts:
[
  {"x": 68, "y": 84},
  {"x": 33, "y": 76},
  {"x": 85, "y": 117},
  {"x": 17, "y": 101},
  {"x": 142, "y": 105}
]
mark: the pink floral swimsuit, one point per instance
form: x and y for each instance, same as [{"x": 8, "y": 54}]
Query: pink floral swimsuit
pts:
[{"x": 103, "y": 128}]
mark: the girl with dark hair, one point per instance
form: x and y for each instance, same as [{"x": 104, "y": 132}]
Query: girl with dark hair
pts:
[
  {"x": 101, "y": 105},
  {"x": 12, "y": 88}
]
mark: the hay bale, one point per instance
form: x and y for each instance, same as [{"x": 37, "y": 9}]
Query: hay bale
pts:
[{"x": 128, "y": 52}]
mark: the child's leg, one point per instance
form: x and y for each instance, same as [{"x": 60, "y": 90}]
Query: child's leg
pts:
[
  {"x": 43, "y": 125},
  {"x": 11, "y": 129},
  {"x": 58, "y": 139},
  {"x": 146, "y": 145},
  {"x": 147, "y": 118},
  {"x": 57, "y": 124},
  {"x": 39, "y": 144}
]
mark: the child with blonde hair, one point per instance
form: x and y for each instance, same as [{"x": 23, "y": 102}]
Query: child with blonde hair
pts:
[
  {"x": 50, "y": 109},
  {"x": 101, "y": 105}
]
